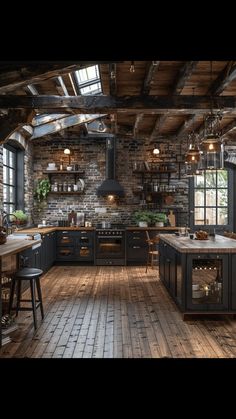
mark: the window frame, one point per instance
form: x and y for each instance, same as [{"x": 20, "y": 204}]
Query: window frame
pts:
[
  {"x": 18, "y": 181},
  {"x": 218, "y": 227}
]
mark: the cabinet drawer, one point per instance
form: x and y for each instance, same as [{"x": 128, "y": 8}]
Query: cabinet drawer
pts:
[
  {"x": 66, "y": 253},
  {"x": 137, "y": 253},
  {"x": 85, "y": 253}
]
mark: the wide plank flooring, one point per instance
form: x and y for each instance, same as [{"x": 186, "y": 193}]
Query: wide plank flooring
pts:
[{"x": 115, "y": 312}]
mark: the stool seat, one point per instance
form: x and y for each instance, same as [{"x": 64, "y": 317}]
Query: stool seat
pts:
[
  {"x": 32, "y": 275},
  {"x": 28, "y": 273}
]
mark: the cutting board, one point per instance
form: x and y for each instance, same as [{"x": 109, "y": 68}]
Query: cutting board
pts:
[{"x": 171, "y": 218}]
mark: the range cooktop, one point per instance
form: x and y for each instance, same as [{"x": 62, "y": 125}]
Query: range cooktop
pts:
[{"x": 111, "y": 227}]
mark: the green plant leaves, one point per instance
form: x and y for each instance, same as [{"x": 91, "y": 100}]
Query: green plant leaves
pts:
[{"x": 42, "y": 189}]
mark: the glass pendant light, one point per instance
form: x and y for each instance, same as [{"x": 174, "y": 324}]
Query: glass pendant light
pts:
[{"x": 211, "y": 146}]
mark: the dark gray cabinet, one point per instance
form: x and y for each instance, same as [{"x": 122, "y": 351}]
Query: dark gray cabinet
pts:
[
  {"x": 171, "y": 270},
  {"x": 136, "y": 247},
  {"x": 75, "y": 246}
]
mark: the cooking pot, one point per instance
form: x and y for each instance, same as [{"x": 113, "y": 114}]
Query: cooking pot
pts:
[{"x": 106, "y": 224}]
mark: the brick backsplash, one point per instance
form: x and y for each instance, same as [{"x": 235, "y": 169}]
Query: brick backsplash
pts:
[{"x": 89, "y": 154}]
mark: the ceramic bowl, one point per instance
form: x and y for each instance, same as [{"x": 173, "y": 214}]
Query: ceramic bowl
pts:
[{"x": 69, "y": 168}]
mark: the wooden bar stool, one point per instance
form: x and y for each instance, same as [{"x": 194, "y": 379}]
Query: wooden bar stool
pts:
[
  {"x": 33, "y": 276},
  {"x": 153, "y": 253}
]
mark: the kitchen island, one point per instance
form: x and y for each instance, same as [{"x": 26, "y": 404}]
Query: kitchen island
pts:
[{"x": 199, "y": 274}]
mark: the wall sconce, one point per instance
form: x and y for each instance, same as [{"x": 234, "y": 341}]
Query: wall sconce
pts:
[
  {"x": 68, "y": 152},
  {"x": 132, "y": 68},
  {"x": 156, "y": 150}
]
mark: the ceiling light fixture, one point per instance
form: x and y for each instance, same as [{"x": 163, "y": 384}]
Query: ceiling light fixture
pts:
[
  {"x": 212, "y": 146},
  {"x": 68, "y": 152}
]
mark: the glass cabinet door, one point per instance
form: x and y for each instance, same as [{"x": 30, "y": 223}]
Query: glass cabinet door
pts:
[{"x": 207, "y": 282}]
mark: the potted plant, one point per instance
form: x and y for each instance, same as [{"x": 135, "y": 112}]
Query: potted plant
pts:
[
  {"x": 19, "y": 217},
  {"x": 42, "y": 189},
  {"x": 142, "y": 218},
  {"x": 159, "y": 219}
]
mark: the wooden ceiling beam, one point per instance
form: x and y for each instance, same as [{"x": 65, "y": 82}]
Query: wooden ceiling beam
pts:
[
  {"x": 185, "y": 126},
  {"x": 158, "y": 124},
  {"x": 106, "y": 104},
  {"x": 31, "y": 74},
  {"x": 184, "y": 74},
  {"x": 151, "y": 69},
  {"x": 224, "y": 79},
  {"x": 11, "y": 122},
  {"x": 138, "y": 119}
]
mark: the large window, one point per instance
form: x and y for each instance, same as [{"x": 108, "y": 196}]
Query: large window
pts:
[
  {"x": 13, "y": 179},
  {"x": 209, "y": 199}
]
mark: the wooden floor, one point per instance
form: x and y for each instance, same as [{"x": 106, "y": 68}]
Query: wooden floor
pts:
[{"x": 115, "y": 312}]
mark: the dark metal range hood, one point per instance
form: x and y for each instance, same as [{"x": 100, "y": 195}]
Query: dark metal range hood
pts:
[{"x": 110, "y": 186}]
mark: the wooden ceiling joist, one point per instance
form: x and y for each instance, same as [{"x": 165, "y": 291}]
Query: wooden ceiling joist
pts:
[
  {"x": 158, "y": 124},
  {"x": 184, "y": 73},
  {"x": 138, "y": 119},
  {"x": 148, "y": 80},
  {"x": 186, "y": 125},
  {"x": 106, "y": 104},
  {"x": 12, "y": 80},
  {"x": 224, "y": 79}
]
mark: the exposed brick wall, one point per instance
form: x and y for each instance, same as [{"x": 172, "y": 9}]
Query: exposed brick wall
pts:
[{"x": 90, "y": 156}]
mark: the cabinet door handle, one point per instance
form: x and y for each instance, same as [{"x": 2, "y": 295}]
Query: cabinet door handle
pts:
[
  {"x": 136, "y": 238},
  {"x": 165, "y": 245},
  {"x": 136, "y": 247},
  {"x": 64, "y": 232}
]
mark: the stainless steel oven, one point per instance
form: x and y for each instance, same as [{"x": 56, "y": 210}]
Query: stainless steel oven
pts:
[{"x": 110, "y": 246}]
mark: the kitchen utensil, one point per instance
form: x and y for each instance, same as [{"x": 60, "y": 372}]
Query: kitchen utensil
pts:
[
  {"x": 171, "y": 218},
  {"x": 82, "y": 184}
]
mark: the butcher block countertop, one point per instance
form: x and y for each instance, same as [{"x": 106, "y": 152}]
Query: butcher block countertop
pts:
[
  {"x": 219, "y": 244},
  {"x": 46, "y": 230},
  {"x": 13, "y": 246},
  {"x": 153, "y": 228}
]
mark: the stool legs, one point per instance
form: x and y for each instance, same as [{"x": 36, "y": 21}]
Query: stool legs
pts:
[
  {"x": 35, "y": 303},
  {"x": 39, "y": 296},
  {"x": 18, "y": 297},
  {"x": 32, "y": 289},
  {"x": 13, "y": 283}
]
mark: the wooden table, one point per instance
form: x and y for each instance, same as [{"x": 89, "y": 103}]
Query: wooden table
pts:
[{"x": 10, "y": 249}]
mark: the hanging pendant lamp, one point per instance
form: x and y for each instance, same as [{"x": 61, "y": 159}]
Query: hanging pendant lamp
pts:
[{"x": 211, "y": 146}]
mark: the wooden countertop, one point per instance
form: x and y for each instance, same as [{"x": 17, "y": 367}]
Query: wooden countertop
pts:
[
  {"x": 46, "y": 230},
  {"x": 219, "y": 244},
  {"x": 153, "y": 228},
  {"x": 13, "y": 246}
]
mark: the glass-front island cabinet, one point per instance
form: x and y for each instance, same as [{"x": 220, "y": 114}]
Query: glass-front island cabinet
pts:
[{"x": 200, "y": 275}]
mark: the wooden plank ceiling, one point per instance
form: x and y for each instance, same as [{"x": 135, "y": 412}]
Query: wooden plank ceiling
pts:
[{"x": 183, "y": 81}]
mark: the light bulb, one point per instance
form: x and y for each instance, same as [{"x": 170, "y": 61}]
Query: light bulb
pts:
[
  {"x": 211, "y": 146},
  {"x": 111, "y": 198},
  {"x": 132, "y": 68},
  {"x": 156, "y": 151}
]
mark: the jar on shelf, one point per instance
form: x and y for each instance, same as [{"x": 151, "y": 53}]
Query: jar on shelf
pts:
[
  {"x": 65, "y": 187},
  {"x": 55, "y": 187},
  {"x": 69, "y": 187}
]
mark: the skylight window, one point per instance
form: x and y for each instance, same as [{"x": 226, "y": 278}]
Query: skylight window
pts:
[{"x": 88, "y": 80}]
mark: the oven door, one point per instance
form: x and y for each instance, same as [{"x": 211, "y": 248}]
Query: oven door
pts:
[{"x": 110, "y": 247}]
